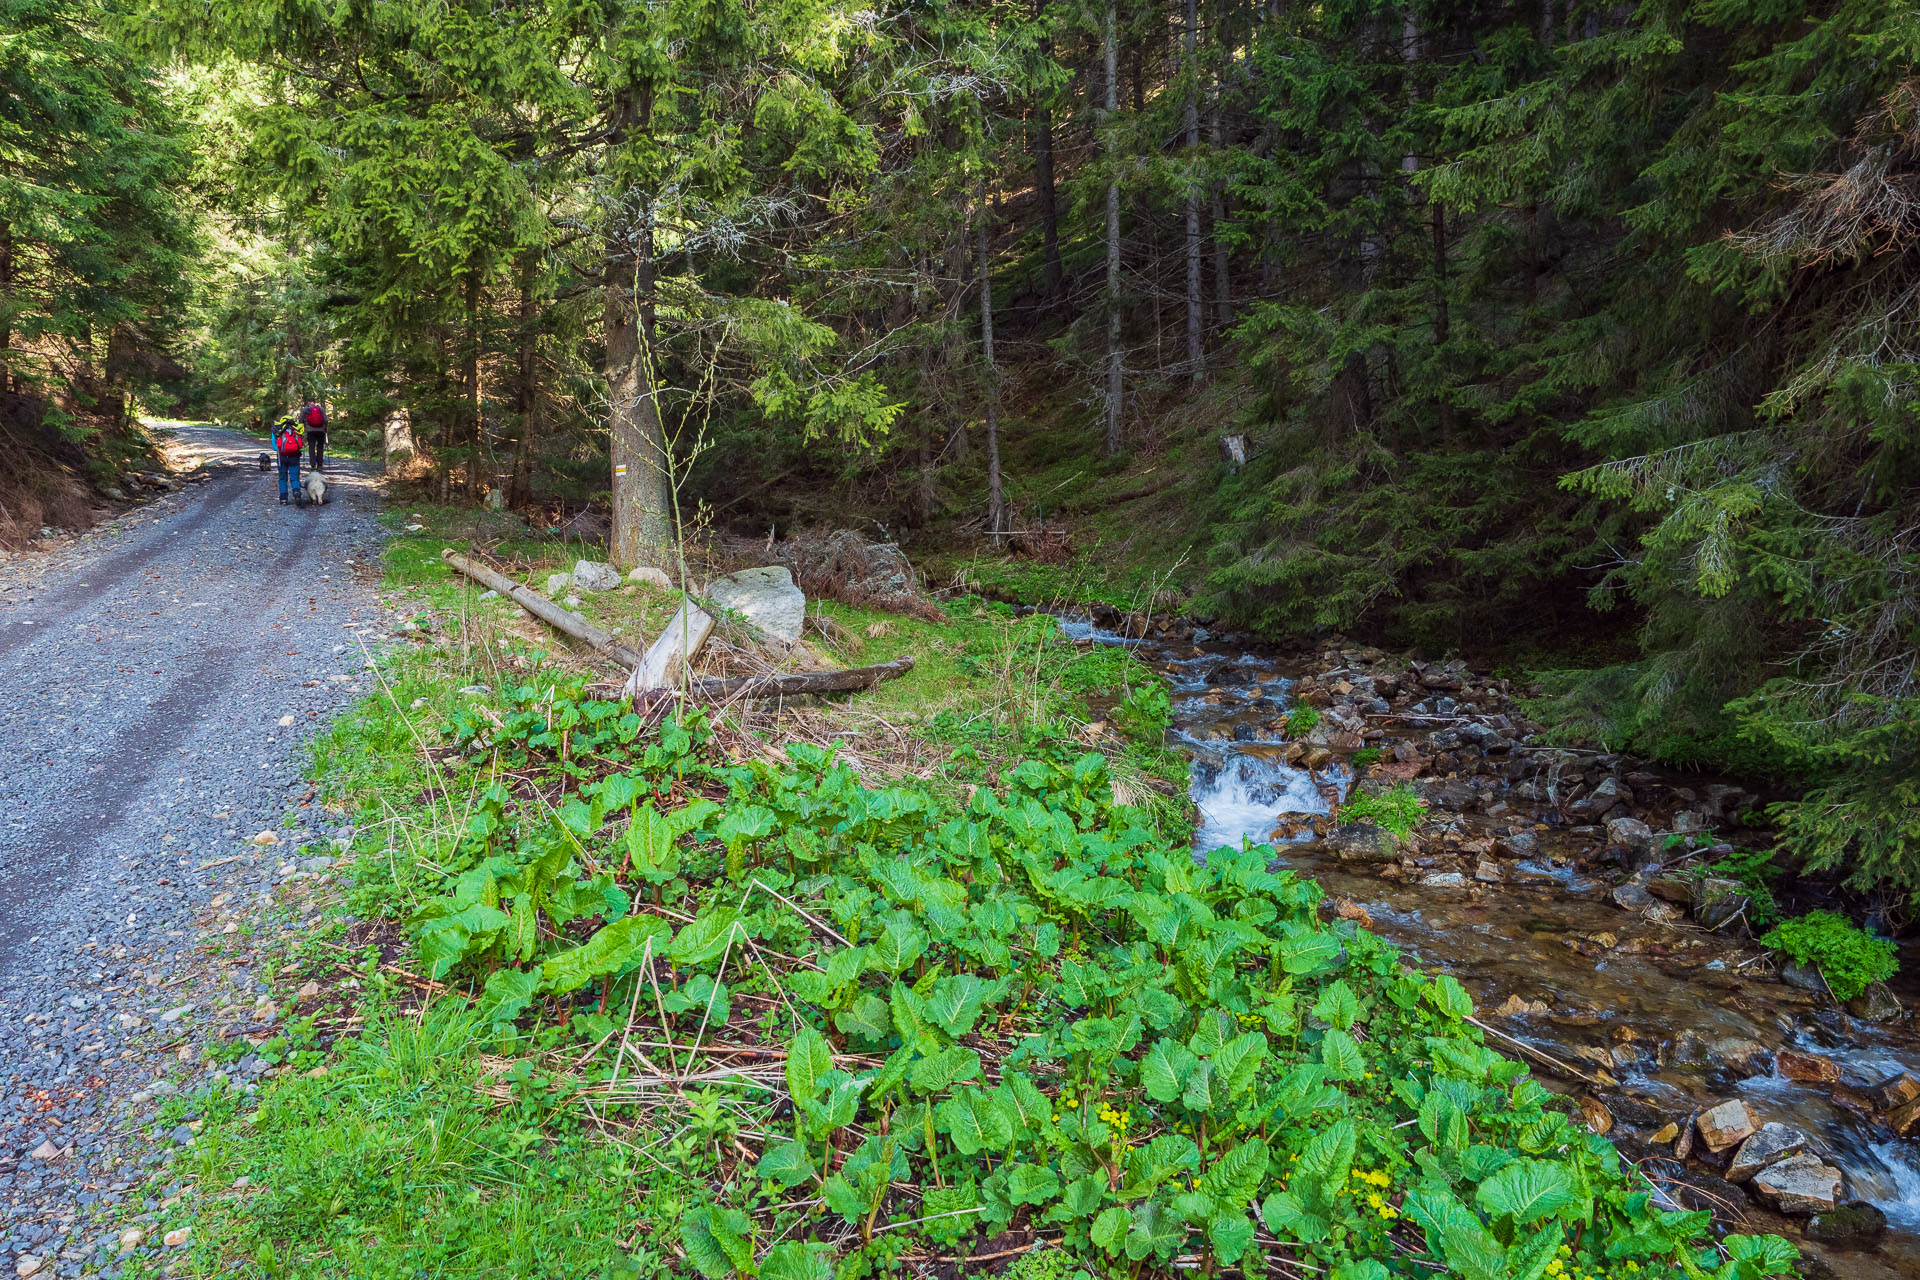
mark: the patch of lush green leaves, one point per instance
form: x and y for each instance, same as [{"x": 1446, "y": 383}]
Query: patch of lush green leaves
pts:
[
  {"x": 1061, "y": 1020},
  {"x": 1397, "y": 809},
  {"x": 1847, "y": 956}
]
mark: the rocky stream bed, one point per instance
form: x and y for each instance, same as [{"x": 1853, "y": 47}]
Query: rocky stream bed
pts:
[{"x": 1545, "y": 880}]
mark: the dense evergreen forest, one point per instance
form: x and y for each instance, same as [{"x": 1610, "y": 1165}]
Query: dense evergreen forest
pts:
[{"x": 1593, "y": 326}]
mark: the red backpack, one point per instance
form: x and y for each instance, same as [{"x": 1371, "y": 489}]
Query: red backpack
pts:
[
  {"x": 315, "y": 416},
  {"x": 286, "y": 437}
]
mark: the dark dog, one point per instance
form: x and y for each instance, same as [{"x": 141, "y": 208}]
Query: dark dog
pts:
[{"x": 266, "y": 462}]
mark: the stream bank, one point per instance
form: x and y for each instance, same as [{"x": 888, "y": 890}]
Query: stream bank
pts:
[{"x": 1547, "y": 882}]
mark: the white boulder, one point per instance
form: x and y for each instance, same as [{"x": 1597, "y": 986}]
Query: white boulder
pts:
[
  {"x": 765, "y": 597},
  {"x": 592, "y": 575}
]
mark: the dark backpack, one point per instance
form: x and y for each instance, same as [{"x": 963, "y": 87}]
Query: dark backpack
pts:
[{"x": 315, "y": 416}]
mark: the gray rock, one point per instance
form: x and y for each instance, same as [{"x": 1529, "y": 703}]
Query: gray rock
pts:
[
  {"x": 1361, "y": 842},
  {"x": 592, "y": 575},
  {"x": 1725, "y": 1124},
  {"x": 1803, "y": 976},
  {"x": 1444, "y": 880},
  {"x": 1603, "y": 797},
  {"x": 1769, "y": 1145},
  {"x": 1876, "y": 1004},
  {"x": 1719, "y": 906},
  {"x": 766, "y": 598},
  {"x": 558, "y": 583},
  {"x": 648, "y": 574},
  {"x": 1855, "y": 1225},
  {"x": 1799, "y": 1185},
  {"x": 1629, "y": 833},
  {"x": 1518, "y": 844},
  {"x": 1632, "y": 896}
]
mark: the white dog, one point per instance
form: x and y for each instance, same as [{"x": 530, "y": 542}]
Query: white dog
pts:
[{"x": 315, "y": 486}]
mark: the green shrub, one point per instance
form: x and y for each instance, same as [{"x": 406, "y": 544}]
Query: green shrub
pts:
[
  {"x": 1302, "y": 720},
  {"x": 1364, "y": 757},
  {"x": 1143, "y": 715},
  {"x": 1397, "y": 810},
  {"x": 1756, "y": 871},
  {"x": 1846, "y": 956}
]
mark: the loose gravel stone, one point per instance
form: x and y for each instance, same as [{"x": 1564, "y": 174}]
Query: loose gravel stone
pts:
[{"x": 148, "y": 666}]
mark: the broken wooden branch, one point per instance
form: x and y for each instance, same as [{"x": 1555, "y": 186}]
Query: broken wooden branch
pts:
[
  {"x": 791, "y": 686},
  {"x": 561, "y": 619},
  {"x": 670, "y": 655}
]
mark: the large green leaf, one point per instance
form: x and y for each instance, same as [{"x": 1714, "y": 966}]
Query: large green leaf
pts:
[
  {"x": 1344, "y": 1058},
  {"x": 612, "y": 949},
  {"x": 955, "y": 1001},
  {"x": 939, "y": 1071},
  {"x": 1309, "y": 951},
  {"x": 1231, "y": 1235},
  {"x": 742, "y": 823},
  {"x": 950, "y": 1211},
  {"x": 788, "y": 1163},
  {"x": 809, "y": 1058},
  {"x": 974, "y": 1122},
  {"x": 900, "y": 944},
  {"x": 718, "y": 1241},
  {"x": 1326, "y": 1161},
  {"x": 1164, "y": 1070},
  {"x": 1238, "y": 1062},
  {"x": 1288, "y": 1217},
  {"x": 1109, "y": 1230},
  {"x": 1154, "y": 1232},
  {"x": 706, "y": 938},
  {"x": 866, "y": 1020},
  {"x": 1031, "y": 1183},
  {"x": 1449, "y": 997},
  {"x": 794, "y": 1260},
  {"x": 508, "y": 993},
  {"x": 1527, "y": 1190},
  {"x": 1337, "y": 1006},
  {"x": 1236, "y": 1174}
]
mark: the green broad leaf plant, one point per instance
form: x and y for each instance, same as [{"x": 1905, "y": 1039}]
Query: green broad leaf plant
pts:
[{"x": 1025, "y": 1009}]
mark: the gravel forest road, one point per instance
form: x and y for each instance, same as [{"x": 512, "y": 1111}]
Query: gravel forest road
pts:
[{"x": 147, "y": 668}]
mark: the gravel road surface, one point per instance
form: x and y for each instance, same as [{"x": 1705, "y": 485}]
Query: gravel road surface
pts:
[{"x": 147, "y": 669}]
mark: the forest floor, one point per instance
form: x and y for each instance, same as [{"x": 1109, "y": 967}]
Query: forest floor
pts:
[{"x": 162, "y": 672}]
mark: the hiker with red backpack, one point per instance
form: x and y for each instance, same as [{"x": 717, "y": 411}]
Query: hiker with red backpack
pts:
[
  {"x": 314, "y": 419},
  {"x": 288, "y": 440}
]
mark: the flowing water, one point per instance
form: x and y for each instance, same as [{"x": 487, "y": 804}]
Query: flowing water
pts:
[{"x": 1615, "y": 1001}]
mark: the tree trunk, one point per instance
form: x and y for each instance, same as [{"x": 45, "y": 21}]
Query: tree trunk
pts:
[
  {"x": 1442, "y": 320},
  {"x": 1222, "y": 258},
  {"x": 470, "y": 388},
  {"x": 1196, "y": 318},
  {"x": 1113, "y": 398},
  {"x": 642, "y": 470},
  {"x": 1056, "y": 275},
  {"x": 6, "y": 307},
  {"x": 996, "y": 502},
  {"x": 520, "y": 485}
]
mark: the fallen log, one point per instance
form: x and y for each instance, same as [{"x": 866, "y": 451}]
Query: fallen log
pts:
[
  {"x": 561, "y": 619},
  {"x": 790, "y": 686}
]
